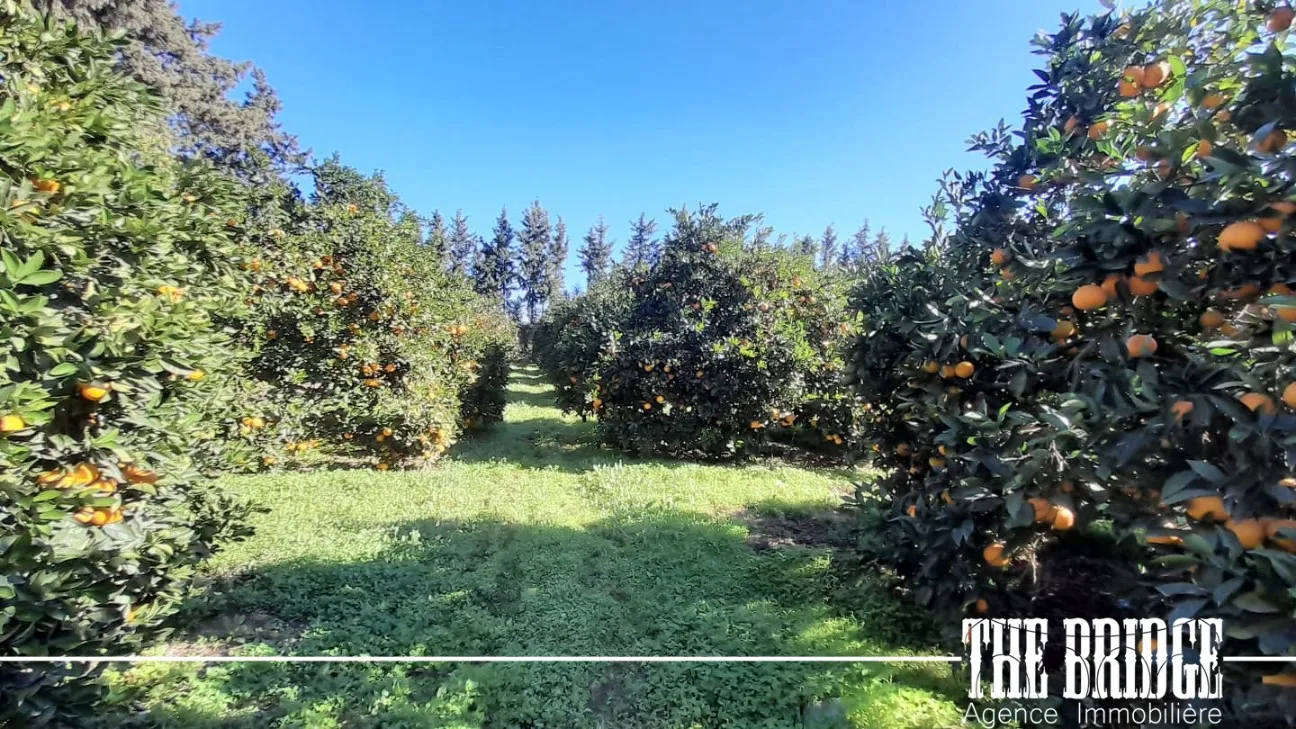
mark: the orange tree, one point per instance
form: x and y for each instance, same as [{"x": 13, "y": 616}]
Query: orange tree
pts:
[
  {"x": 115, "y": 262},
  {"x": 575, "y": 336},
  {"x": 371, "y": 351},
  {"x": 1105, "y": 367}
]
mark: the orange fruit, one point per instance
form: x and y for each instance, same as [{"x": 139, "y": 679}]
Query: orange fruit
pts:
[
  {"x": 999, "y": 257},
  {"x": 1273, "y": 142},
  {"x": 1028, "y": 182},
  {"x": 1140, "y": 286},
  {"x": 1099, "y": 129},
  {"x": 1279, "y": 679},
  {"x": 91, "y": 392},
  {"x": 647, "y": 406},
  {"x": 1211, "y": 318},
  {"x": 912, "y": 511},
  {"x": 1141, "y": 345},
  {"x": 1271, "y": 224},
  {"x": 1258, "y": 402},
  {"x": 931, "y": 367},
  {"x": 135, "y": 474},
  {"x": 902, "y": 449},
  {"x": 994, "y": 555},
  {"x": 1063, "y": 519},
  {"x": 12, "y": 424},
  {"x": 1181, "y": 408},
  {"x": 1165, "y": 539},
  {"x": 964, "y": 369},
  {"x": 47, "y": 186},
  {"x": 935, "y": 462},
  {"x": 1155, "y": 74},
  {"x": 1213, "y": 100},
  {"x": 982, "y": 606},
  {"x": 1243, "y": 235},
  {"x": 1071, "y": 125},
  {"x": 1249, "y": 532},
  {"x": 1204, "y": 148},
  {"x": 1134, "y": 74},
  {"x": 1203, "y": 507},
  {"x": 1151, "y": 263},
  {"x": 1089, "y": 297},
  {"x": 1063, "y": 330},
  {"x": 1043, "y": 508},
  {"x": 1285, "y": 207},
  {"x": 1128, "y": 88},
  {"x": 947, "y": 371},
  {"x": 1271, "y": 527},
  {"x": 1280, "y": 19},
  {"x": 1289, "y": 395},
  {"x": 100, "y": 517}
]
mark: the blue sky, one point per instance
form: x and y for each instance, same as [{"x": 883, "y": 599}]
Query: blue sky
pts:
[{"x": 811, "y": 112}]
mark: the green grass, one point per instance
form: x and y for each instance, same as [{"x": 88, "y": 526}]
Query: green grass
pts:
[{"x": 531, "y": 540}]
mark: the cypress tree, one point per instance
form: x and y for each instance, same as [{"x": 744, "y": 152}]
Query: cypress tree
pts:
[
  {"x": 558, "y": 260},
  {"x": 534, "y": 247},
  {"x": 860, "y": 244},
  {"x": 828, "y": 248},
  {"x": 437, "y": 241},
  {"x": 463, "y": 246},
  {"x": 596, "y": 254},
  {"x": 642, "y": 249},
  {"x": 493, "y": 269}
]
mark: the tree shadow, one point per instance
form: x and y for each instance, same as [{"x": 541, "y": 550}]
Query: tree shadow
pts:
[{"x": 659, "y": 583}]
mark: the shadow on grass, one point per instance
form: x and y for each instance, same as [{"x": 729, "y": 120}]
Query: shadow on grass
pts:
[{"x": 658, "y": 584}]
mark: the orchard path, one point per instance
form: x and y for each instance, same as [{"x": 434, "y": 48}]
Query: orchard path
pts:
[{"x": 531, "y": 540}]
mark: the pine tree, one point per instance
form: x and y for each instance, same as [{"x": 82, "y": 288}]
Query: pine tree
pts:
[
  {"x": 905, "y": 243},
  {"x": 463, "y": 246},
  {"x": 760, "y": 239},
  {"x": 534, "y": 244},
  {"x": 596, "y": 254},
  {"x": 828, "y": 248},
  {"x": 881, "y": 246},
  {"x": 860, "y": 244},
  {"x": 805, "y": 245},
  {"x": 493, "y": 269},
  {"x": 558, "y": 260},
  {"x": 642, "y": 249},
  {"x": 169, "y": 54},
  {"x": 437, "y": 241}
]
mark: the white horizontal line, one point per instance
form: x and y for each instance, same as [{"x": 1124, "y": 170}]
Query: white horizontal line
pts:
[
  {"x": 480, "y": 659},
  {"x": 1259, "y": 659}
]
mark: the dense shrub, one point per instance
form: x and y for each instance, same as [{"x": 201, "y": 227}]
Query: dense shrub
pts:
[
  {"x": 1118, "y": 287},
  {"x": 574, "y": 338},
  {"x": 116, "y": 261},
  {"x": 372, "y": 352}
]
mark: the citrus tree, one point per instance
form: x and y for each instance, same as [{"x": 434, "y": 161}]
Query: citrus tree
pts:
[
  {"x": 1100, "y": 384},
  {"x": 116, "y": 263}
]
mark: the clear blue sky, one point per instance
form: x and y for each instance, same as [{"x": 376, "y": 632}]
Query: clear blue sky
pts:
[{"x": 811, "y": 112}]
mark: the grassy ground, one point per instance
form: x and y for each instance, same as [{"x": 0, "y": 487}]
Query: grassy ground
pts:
[{"x": 533, "y": 541}]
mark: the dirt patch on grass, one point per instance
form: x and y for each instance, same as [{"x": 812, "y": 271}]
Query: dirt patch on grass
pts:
[
  {"x": 218, "y": 636},
  {"x": 821, "y": 528}
]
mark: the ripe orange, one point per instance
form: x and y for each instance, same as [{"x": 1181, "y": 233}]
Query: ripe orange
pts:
[
  {"x": 1204, "y": 148},
  {"x": 1071, "y": 125},
  {"x": 912, "y": 511},
  {"x": 647, "y": 406},
  {"x": 1258, "y": 402},
  {"x": 1273, "y": 142},
  {"x": 1289, "y": 395},
  {"x": 982, "y": 606},
  {"x": 1134, "y": 74},
  {"x": 1128, "y": 88},
  {"x": 1280, "y": 19},
  {"x": 999, "y": 257},
  {"x": 994, "y": 555},
  {"x": 947, "y": 371},
  {"x": 135, "y": 474},
  {"x": 1099, "y": 129},
  {"x": 964, "y": 369},
  {"x": 1271, "y": 527},
  {"x": 1181, "y": 408},
  {"x": 1203, "y": 507},
  {"x": 1279, "y": 679},
  {"x": 1271, "y": 224},
  {"x": 1089, "y": 297},
  {"x": 1028, "y": 182},
  {"x": 1213, "y": 100},
  {"x": 902, "y": 449},
  {"x": 1141, "y": 345},
  {"x": 92, "y": 392},
  {"x": 935, "y": 462},
  {"x": 1063, "y": 330},
  {"x": 931, "y": 367},
  {"x": 1110, "y": 283},
  {"x": 1165, "y": 539},
  {"x": 1043, "y": 509},
  {"x": 12, "y": 424},
  {"x": 1063, "y": 519},
  {"x": 1249, "y": 532},
  {"x": 47, "y": 186},
  {"x": 1285, "y": 207},
  {"x": 1151, "y": 263},
  {"x": 1140, "y": 286},
  {"x": 1243, "y": 235},
  {"x": 1155, "y": 74}
]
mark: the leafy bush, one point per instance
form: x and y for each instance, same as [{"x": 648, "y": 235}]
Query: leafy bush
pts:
[
  {"x": 1118, "y": 287},
  {"x": 116, "y": 263},
  {"x": 574, "y": 338}
]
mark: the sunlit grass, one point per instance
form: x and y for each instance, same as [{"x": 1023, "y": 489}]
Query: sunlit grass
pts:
[{"x": 531, "y": 540}]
